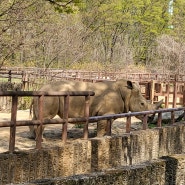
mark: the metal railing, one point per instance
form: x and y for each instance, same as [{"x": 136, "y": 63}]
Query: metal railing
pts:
[
  {"x": 40, "y": 94},
  {"x": 26, "y": 73},
  {"x": 86, "y": 119}
]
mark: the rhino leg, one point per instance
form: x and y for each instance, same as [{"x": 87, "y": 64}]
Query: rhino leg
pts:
[
  {"x": 34, "y": 130},
  {"x": 50, "y": 110},
  {"x": 101, "y": 128},
  {"x": 32, "y": 133}
]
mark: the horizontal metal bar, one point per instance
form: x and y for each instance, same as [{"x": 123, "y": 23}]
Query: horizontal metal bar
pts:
[
  {"x": 83, "y": 119},
  {"x": 51, "y": 93},
  {"x": 115, "y": 116}
]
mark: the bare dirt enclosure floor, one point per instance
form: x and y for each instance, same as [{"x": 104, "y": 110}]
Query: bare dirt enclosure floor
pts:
[{"x": 53, "y": 133}]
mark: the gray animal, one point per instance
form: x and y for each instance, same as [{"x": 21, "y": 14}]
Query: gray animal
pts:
[{"x": 111, "y": 97}]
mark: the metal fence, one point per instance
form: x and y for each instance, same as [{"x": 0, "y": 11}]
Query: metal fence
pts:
[
  {"x": 29, "y": 75},
  {"x": 169, "y": 86},
  {"x": 13, "y": 123}
]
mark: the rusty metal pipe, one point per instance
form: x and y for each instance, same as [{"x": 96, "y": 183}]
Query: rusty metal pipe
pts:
[
  {"x": 13, "y": 126},
  {"x": 64, "y": 126},
  {"x": 128, "y": 124},
  {"x": 172, "y": 117},
  {"x": 39, "y": 127},
  {"x": 83, "y": 119},
  {"x": 159, "y": 120},
  {"x": 145, "y": 124},
  {"x": 40, "y": 93},
  {"x": 86, "y": 114},
  {"x": 108, "y": 127}
]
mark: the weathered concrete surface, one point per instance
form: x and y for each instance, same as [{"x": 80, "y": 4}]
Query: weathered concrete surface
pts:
[
  {"x": 165, "y": 171},
  {"x": 95, "y": 155}
]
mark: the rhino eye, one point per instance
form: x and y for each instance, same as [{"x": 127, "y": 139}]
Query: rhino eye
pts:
[{"x": 142, "y": 104}]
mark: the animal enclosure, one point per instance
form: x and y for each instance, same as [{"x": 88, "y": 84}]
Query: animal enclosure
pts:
[
  {"x": 171, "y": 92},
  {"x": 154, "y": 87},
  {"x": 98, "y": 154},
  {"x": 13, "y": 123}
]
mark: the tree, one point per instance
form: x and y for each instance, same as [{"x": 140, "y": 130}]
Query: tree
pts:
[
  {"x": 106, "y": 22},
  {"x": 59, "y": 33},
  {"x": 10, "y": 19},
  {"x": 140, "y": 21},
  {"x": 169, "y": 51},
  {"x": 150, "y": 19},
  {"x": 177, "y": 20},
  {"x": 31, "y": 31}
]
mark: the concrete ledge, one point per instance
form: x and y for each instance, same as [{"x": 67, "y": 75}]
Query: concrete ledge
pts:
[
  {"x": 93, "y": 155},
  {"x": 169, "y": 170}
]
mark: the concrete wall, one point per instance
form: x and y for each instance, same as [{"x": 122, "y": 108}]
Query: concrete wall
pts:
[
  {"x": 167, "y": 171},
  {"x": 94, "y": 155}
]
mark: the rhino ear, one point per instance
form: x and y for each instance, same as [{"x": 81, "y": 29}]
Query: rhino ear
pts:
[{"x": 129, "y": 84}]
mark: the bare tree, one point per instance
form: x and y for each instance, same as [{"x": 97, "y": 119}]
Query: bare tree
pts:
[
  {"x": 33, "y": 33},
  {"x": 169, "y": 54}
]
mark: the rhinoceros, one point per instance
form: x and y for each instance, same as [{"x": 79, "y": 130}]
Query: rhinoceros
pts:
[{"x": 111, "y": 97}]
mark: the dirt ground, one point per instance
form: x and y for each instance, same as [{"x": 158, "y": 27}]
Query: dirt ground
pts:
[{"x": 52, "y": 133}]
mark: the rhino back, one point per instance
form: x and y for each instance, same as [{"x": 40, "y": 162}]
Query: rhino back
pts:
[
  {"x": 50, "y": 107},
  {"x": 77, "y": 86},
  {"x": 77, "y": 104},
  {"x": 107, "y": 98}
]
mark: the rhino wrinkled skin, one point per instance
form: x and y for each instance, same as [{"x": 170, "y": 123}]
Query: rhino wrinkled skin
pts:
[{"x": 111, "y": 97}]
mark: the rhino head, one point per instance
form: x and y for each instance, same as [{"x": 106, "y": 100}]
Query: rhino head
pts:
[
  {"x": 138, "y": 103},
  {"x": 133, "y": 98}
]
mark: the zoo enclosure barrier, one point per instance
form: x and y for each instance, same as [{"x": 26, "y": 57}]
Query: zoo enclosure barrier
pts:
[
  {"x": 172, "y": 92},
  {"x": 86, "y": 119},
  {"x": 170, "y": 86},
  {"x": 40, "y": 94},
  {"x": 29, "y": 75}
]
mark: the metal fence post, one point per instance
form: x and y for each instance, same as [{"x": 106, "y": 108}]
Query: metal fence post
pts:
[
  {"x": 145, "y": 124},
  {"x": 108, "y": 128},
  {"x": 174, "y": 94},
  {"x": 86, "y": 113},
  {"x": 13, "y": 127},
  {"x": 40, "y": 127},
  {"x": 159, "y": 120},
  {"x": 172, "y": 117},
  {"x": 128, "y": 124},
  {"x": 152, "y": 85},
  {"x": 66, "y": 113}
]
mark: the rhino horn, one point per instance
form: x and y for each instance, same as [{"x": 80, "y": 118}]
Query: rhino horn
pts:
[{"x": 158, "y": 104}]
